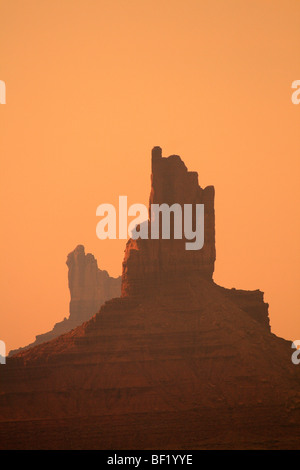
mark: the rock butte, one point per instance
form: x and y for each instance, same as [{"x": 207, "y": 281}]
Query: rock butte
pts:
[
  {"x": 176, "y": 362},
  {"x": 89, "y": 288}
]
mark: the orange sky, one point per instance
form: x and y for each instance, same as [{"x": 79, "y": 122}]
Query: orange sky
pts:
[{"x": 92, "y": 86}]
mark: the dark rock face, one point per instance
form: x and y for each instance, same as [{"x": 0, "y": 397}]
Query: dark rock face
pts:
[
  {"x": 149, "y": 264},
  {"x": 89, "y": 288},
  {"x": 177, "y": 362},
  {"x": 162, "y": 267},
  {"x": 251, "y": 302}
]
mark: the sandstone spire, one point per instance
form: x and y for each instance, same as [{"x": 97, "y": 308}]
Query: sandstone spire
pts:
[
  {"x": 149, "y": 264},
  {"x": 176, "y": 362},
  {"x": 89, "y": 286}
]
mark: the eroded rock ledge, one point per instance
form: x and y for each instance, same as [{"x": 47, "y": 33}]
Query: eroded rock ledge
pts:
[{"x": 89, "y": 288}]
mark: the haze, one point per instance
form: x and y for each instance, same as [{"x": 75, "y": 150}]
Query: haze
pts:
[{"x": 91, "y": 87}]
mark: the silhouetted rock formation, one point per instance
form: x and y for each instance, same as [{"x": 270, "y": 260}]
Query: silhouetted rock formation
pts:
[
  {"x": 176, "y": 363},
  {"x": 154, "y": 267},
  {"x": 150, "y": 264},
  {"x": 89, "y": 288}
]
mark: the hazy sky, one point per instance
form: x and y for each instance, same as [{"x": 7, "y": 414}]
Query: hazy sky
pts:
[{"x": 92, "y": 86}]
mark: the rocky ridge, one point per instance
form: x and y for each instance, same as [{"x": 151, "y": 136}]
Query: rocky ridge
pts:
[
  {"x": 177, "y": 362},
  {"x": 89, "y": 288}
]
